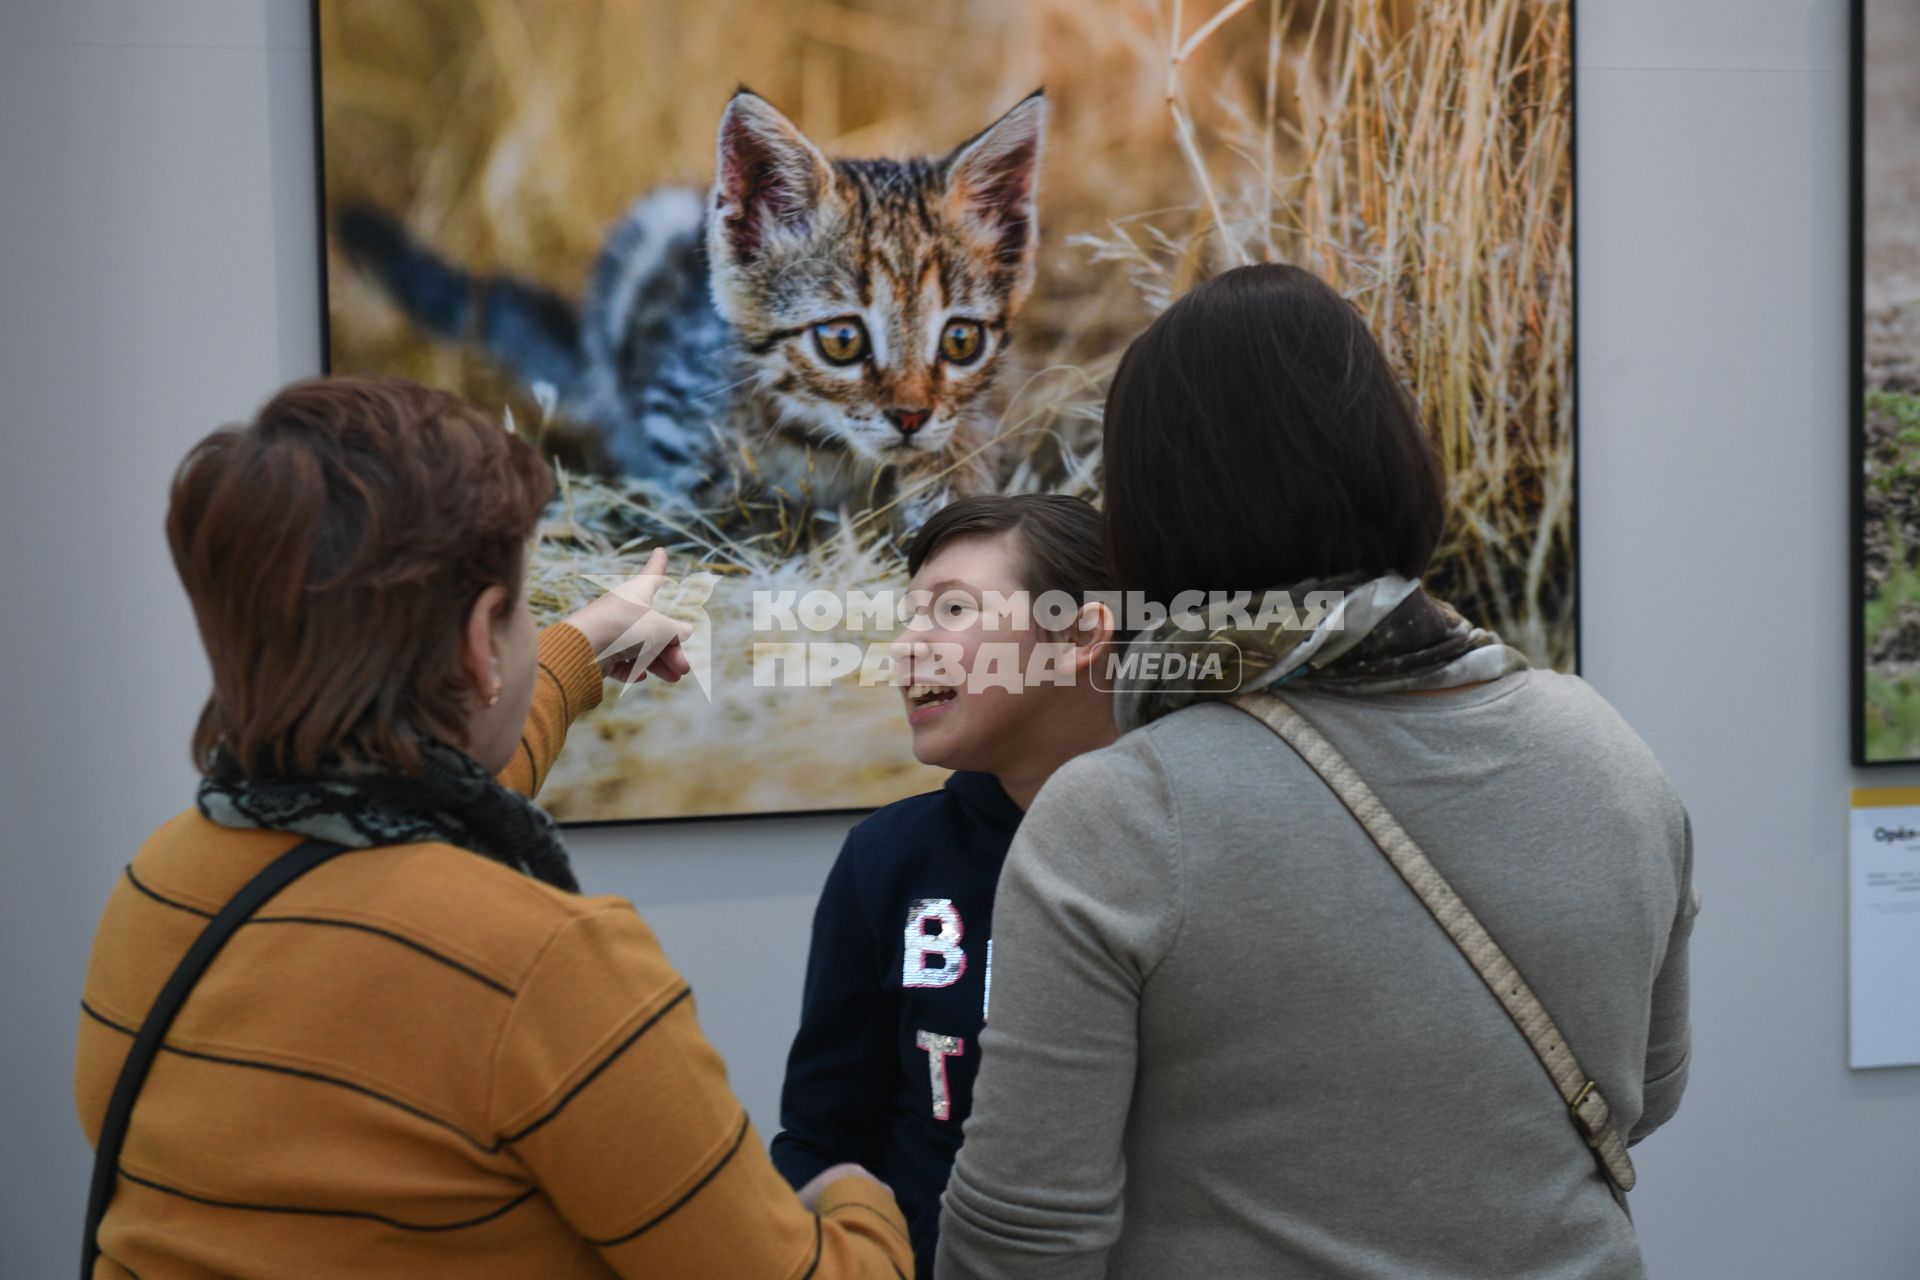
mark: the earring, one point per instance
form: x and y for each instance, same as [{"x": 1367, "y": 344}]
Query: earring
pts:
[{"x": 495, "y": 697}]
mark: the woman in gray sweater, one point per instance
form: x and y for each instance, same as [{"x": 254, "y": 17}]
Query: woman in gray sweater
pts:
[{"x": 1227, "y": 1038}]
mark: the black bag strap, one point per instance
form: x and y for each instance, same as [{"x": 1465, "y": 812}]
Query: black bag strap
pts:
[{"x": 279, "y": 873}]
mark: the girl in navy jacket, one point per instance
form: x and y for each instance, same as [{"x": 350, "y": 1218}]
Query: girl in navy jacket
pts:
[{"x": 1000, "y": 675}]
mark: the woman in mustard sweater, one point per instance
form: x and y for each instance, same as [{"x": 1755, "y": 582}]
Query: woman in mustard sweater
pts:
[{"x": 430, "y": 1056}]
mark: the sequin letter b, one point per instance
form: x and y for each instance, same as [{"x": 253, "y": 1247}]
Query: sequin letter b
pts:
[{"x": 933, "y": 959}]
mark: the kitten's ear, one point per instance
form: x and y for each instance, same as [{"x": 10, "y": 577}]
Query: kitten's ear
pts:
[
  {"x": 768, "y": 179},
  {"x": 992, "y": 179}
]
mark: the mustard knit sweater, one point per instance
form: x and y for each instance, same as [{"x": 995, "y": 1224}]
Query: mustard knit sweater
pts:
[{"x": 417, "y": 1062}]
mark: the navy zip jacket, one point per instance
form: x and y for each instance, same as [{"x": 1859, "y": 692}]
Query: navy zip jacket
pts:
[{"x": 882, "y": 1070}]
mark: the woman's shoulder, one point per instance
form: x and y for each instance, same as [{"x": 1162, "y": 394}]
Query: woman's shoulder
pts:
[
  {"x": 1211, "y": 751},
  {"x": 1531, "y": 730},
  {"x": 1132, "y": 780},
  {"x": 1185, "y": 752},
  {"x": 491, "y": 907},
  {"x": 428, "y": 897},
  {"x": 1576, "y": 725}
]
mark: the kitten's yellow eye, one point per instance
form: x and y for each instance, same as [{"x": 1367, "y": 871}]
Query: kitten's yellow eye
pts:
[
  {"x": 960, "y": 342},
  {"x": 841, "y": 341}
]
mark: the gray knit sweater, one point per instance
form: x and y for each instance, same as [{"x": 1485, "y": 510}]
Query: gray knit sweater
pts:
[{"x": 1226, "y": 1040}]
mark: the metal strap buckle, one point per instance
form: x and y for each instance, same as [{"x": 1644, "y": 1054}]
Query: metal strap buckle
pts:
[{"x": 1591, "y": 1130}]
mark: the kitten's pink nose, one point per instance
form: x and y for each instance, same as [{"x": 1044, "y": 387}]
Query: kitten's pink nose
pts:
[{"x": 907, "y": 421}]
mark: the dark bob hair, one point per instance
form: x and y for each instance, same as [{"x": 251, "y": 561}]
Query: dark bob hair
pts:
[{"x": 1256, "y": 437}]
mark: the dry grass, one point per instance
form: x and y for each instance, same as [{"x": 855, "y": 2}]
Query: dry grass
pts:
[
  {"x": 1417, "y": 155},
  {"x": 1420, "y": 159},
  {"x": 654, "y": 750}
]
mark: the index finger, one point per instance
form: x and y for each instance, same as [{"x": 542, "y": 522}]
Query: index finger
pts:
[{"x": 640, "y": 588}]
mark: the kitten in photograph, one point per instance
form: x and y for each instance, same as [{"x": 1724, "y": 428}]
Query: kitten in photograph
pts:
[{"x": 828, "y": 329}]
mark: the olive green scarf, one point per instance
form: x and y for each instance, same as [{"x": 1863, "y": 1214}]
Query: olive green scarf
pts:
[{"x": 1383, "y": 635}]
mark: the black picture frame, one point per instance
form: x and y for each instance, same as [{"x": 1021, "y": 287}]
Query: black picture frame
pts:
[
  {"x": 1575, "y": 530},
  {"x": 1856, "y": 381},
  {"x": 1856, "y": 384},
  {"x": 1573, "y": 342}
]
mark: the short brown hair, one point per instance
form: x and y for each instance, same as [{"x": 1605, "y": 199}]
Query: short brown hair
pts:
[
  {"x": 1257, "y": 437},
  {"x": 1059, "y": 538},
  {"x": 332, "y": 549}
]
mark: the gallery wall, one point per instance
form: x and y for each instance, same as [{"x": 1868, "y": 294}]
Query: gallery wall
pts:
[{"x": 157, "y": 276}]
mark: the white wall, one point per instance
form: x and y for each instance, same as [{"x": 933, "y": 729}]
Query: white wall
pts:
[{"x": 157, "y": 276}]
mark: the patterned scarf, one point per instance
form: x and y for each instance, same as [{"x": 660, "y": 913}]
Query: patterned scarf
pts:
[
  {"x": 1386, "y": 635},
  {"x": 456, "y": 802}
]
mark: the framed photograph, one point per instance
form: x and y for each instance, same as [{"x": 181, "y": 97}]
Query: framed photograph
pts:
[
  {"x": 769, "y": 281},
  {"x": 1884, "y": 401}
]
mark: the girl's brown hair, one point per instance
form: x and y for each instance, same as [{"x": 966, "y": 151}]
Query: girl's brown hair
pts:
[
  {"x": 332, "y": 549},
  {"x": 1059, "y": 538}
]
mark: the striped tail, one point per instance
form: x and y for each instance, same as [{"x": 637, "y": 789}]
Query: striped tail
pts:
[{"x": 533, "y": 331}]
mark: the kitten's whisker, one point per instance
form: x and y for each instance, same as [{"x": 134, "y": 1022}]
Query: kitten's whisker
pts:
[{"x": 731, "y": 386}]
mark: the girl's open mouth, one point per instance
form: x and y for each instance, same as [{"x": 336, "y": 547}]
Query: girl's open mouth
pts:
[{"x": 927, "y": 700}]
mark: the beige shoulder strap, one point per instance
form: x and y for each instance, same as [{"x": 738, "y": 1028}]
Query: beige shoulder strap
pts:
[{"x": 1589, "y": 1109}]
